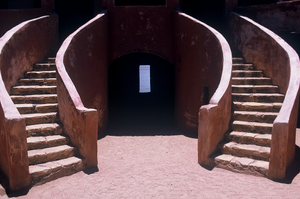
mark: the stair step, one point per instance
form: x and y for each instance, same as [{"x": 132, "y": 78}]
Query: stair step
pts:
[
  {"x": 42, "y": 173},
  {"x": 253, "y": 116},
  {"x": 253, "y": 127},
  {"x": 37, "y": 108},
  {"x": 40, "y": 142},
  {"x": 241, "y": 66},
  {"x": 255, "y": 89},
  {"x": 32, "y": 89},
  {"x": 50, "y": 66},
  {"x": 50, "y": 154},
  {"x": 255, "y": 106},
  {"x": 38, "y": 81},
  {"x": 34, "y": 99},
  {"x": 238, "y": 60},
  {"x": 246, "y": 150},
  {"x": 38, "y": 118},
  {"x": 44, "y": 129},
  {"x": 40, "y": 74},
  {"x": 247, "y": 73},
  {"x": 250, "y": 138},
  {"x": 51, "y": 60},
  {"x": 258, "y": 97},
  {"x": 242, "y": 165},
  {"x": 251, "y": 80}
]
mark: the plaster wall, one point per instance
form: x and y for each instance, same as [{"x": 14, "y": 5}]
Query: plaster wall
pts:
[
  {"x": 86, "y": 63},
  {"x": 140, "y": 28},
  {"x": 198, "y": 64},
  {"x": 279, "y": 17},
  {"x": 279, "y": 61},
  {"x": 25, "y": 44},
  {"x": 12, "y": 17}
]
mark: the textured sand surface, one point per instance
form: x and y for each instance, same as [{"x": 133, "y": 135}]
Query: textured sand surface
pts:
[{"x": 159, "y": 167}]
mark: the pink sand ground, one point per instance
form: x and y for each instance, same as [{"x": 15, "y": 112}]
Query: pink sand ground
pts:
[{"x": 159, "y": 167}]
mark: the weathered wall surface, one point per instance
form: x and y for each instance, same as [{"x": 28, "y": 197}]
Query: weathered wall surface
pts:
[
  {"x": 140, "y": 28},
  {"x": 283, "y": 16},
  {"x": 12, "y": 17},
  {"x": 86, "y": 63},
  {"x": 17, "y": 56},
  {"x": 279, "y": 61},
  {"x": 82, "y": 82},
  {"x": 23, "y": 47},
  {"x": 198, "y": 65}
]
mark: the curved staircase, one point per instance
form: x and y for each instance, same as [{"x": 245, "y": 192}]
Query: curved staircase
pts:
[
  {"x": 256, "y": 103},
  {"x": 50, "y": 152}
]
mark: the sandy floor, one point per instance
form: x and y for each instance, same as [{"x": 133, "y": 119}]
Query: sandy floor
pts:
[{"x": 159, "y": 167}]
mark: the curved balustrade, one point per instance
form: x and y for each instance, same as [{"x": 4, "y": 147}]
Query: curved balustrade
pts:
[
  {"x": 204, "y": 61},
  {"x": 25, "y": 44},
  {"x": 79, "y": 63},
  {"x": 279, "y": 61}
]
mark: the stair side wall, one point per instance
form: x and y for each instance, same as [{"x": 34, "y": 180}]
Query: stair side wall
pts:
[
  {"x": 202, "y": 61},
  {"x": 82, "y": 82},
  {"x": 270, "y": 53},
  {"x": 19, "y": 49}
]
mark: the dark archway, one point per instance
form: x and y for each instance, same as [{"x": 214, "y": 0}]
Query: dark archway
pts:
[{"x": 135, "y": 113}]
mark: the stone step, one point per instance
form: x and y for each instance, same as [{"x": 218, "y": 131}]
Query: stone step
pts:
[
  {"x": 34, "y": 99},
  {"x": 40, "y": 142},
  {"x": 38, "y": 81},
  {"x": 249, "y": 138},
  {"x": 245, "y": 150},
  {"x": 40, "y": 74},
  {"x": 242, "y": 165},
  {"x": 255, "y": 106},
  {"x": 50, "y": 66},
  {"x": 44, "y": 129},
  {"x": 241, "y": 66},
  {"x": 238, "y": 60},
  {"x": 51, "y": 60},
  {"x": 251, "y": 81},
  {"x": 253, "y": 116},
  {"x": 247, "y": 73},
  {"x": 258, "y": 97},
  {"x": 253, "y": 127},
  {"x": 255, "y": 89},
  {"x": 32, "y": 90},
  {"x": 42, "y": 173},
  {"x": 37, "y": 108},
  {"x": 50, "y": 154},
  {"x": 39, "y": 118}
]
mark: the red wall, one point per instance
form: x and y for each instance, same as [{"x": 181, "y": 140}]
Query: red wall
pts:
[
  {"x": 140, "y": 28},
  {"x": 12, "y": 17},
  {"x": 198, "y": 64}
]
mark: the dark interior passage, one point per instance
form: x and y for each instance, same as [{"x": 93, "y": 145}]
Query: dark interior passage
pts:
[{"x": 135, "y": 113}]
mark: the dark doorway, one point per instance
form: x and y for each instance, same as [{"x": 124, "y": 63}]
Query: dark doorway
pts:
[
  {"x": 72, "y": 14},
  {"x": 132, "y": 112}
]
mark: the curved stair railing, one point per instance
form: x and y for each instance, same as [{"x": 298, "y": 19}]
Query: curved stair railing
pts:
[
  {"x": 80, "y": 123},
  {"x": 20, "y": 47},
  {"x": 270, "y": 53},
  {"x": 214, "y": 118}
]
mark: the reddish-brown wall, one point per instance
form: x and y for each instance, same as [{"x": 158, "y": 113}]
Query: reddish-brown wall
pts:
[
  {"x": 283, "y": 16},
  {"x": 12, "y": 17},
  {"x": 25, "y": 44},
  {"x": 86, "y": 63},
  {"x": 140, "y": 28},
  {"x": 198, "y": 64},
  {"x": 279, "y": 61}
]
